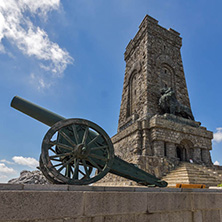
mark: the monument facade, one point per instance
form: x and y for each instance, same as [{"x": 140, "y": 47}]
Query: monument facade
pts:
[{"x": 156, "y": 128}]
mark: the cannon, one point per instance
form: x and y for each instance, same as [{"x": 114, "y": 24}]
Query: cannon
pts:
[{"x": 79, "y": 152}]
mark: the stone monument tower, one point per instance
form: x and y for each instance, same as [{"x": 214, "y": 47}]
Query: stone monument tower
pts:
[{"x": 156, "y": 129}]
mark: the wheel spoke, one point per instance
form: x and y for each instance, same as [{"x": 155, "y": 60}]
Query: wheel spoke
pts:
[
  {"x": 54, "y": 159},
  {"x": 94, "y": 163},
  {"x": 76, "y": 170},
  {"x": 75, "y": 133},
  {"x": 99, "y": 147},
  {"x": 82, "y": 173},
  {"x": 56, "y": 147},
  {"x": 59, "y": 164},
  {"x": 85, "y": 135},
  {"x": 64, "y": 146},
  {"x": 71, "y": 169},
  {"x": 67, "y": 138},
  {"x": 67, "y": 173},
  {"x": 93, "y": 140},
  {"x": 60, "y": 155},
  {"x": 85, "y": 167},
  {"x": 50, "y": 148},
  {"x": 61, "y": 168},
  {"x": 98, "y": 157}
]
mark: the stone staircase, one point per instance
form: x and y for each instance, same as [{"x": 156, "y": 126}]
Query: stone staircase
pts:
[{"x": 190, "y": 173}]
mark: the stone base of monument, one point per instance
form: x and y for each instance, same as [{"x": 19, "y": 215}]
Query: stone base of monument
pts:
[{"x": 60, "y": 203}]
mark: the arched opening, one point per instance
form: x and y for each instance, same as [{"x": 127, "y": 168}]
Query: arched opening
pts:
[
  {"x": 201, "y": 155},
  {"x": 166, "y": 76},
  {"x": 132, "y": 94},
  {"x": 179, "y": 153},
  {"x": 186, "y": 150}
]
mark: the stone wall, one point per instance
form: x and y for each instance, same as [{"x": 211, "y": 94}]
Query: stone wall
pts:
[
  {"x": 62, "y": 203},
  {"x": 159, "y": 140}
]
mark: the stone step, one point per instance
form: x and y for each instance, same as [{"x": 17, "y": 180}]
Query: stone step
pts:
[
  {"x": 193, "y": 181},
  {"x": 190, "y": 174},
  {"x": 193, "y": 174}
]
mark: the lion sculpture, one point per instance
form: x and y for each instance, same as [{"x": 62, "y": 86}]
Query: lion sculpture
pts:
[{"x": 169, "y": 104}]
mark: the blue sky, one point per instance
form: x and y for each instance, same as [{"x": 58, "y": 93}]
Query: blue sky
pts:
[{"x": 67, "y": 56}]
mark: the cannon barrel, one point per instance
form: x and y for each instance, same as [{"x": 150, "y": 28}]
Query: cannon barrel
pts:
[
  {"x": 43, "y": 115},
  {"x": 81, "y": 148}
]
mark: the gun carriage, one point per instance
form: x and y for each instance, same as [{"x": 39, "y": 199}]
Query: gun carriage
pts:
[{"x": 78, "y": 151}]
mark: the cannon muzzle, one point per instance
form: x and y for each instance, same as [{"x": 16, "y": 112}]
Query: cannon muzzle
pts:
[{"x": 43, "y": 115}]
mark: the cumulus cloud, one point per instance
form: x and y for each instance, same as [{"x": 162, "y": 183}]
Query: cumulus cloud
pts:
[
  {"x": 26, "y": 161},
  {"x": 3, "y": 177},
  {"x": 218, "y": 135},
  {"x": 5, "y": 169},
  {"x": 16, "y": 26},
  {"x": 216, "y": 163},
  {"x": 6, "y": 161}
]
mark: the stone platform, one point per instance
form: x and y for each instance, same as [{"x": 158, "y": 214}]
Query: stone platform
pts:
[
  {"x": 60, "y": 203},
  {"x": 190, "y": 173}
]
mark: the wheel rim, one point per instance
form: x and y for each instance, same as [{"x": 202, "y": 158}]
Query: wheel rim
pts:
[{"x": 74, "y": 149}]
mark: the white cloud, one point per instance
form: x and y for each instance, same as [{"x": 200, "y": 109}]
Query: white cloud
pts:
[
  {"x": 3, "y": 177},
  {"x": 218, "y": 135},
  {"x": 26, "y": 161},
  {"x": 216, "y": 163},
  {"x": 17, "y": 27},
  {"x": 40, "y": 80},
  {"x": 6, "y": 161},
  {"x": 5, "y": 169}
]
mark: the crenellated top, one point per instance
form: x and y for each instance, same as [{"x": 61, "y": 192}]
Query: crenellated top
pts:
[{"x": 148, "y": 25}]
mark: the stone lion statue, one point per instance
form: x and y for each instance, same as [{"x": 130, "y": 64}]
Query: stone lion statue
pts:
[{"x": 169, "y": 104}]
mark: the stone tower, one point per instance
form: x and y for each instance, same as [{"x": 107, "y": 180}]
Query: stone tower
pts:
[
  {"x": 153, "y": 61},
  {"x": 156, "y": 129}
]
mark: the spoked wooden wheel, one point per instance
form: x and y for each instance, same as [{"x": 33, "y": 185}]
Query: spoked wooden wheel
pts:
[{"x": 76, "y": 151}]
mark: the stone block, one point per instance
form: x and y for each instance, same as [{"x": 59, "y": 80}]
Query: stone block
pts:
[
  {"x": 207, "y": 201},
  {"x": 86, "y": 188},
  {"x": 53, "y": 187},
  {"x": 69, "y": 220},
  {"x": 110, "y": 203},
  {"x": 33, "y": 205},
  {"x": 148, "y": 218},
  {"x": 120, "y": 218},
  {"x": 120, "y": 189},
  {"x": 197, "y": 216},
  {"x": 159, "y": 202},
  {"x": 179, "y": 216},
  {"x": 168, "y": 189},
  {"x": 6, "y": 186},
  {"x": 47, "y": 220},
  {"x": 98, "y": 219},
  {"x": 83, "y": 219},
  {"x": 211, "y": 215},
  {"x": 147, "y": 189}
]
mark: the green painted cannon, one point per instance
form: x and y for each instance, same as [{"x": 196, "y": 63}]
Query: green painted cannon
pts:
[{"x": 79, "y": 152}]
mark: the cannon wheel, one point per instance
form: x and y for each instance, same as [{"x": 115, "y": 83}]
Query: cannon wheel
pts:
[
  {"x": 49, "y": 176},
  {"x": 77, "y": 152}
]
